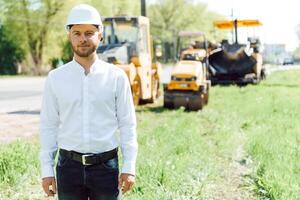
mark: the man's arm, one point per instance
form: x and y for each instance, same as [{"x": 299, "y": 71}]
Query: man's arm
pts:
[
  {"x": 128, "y": 137},
  {"x": 49, "y": 123}
]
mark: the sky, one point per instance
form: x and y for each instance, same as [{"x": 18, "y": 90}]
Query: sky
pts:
[{"x": 279, "y": 17}]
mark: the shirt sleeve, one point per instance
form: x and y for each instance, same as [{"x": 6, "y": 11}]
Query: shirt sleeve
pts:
[
  {"x": 127, "y": 124},
  {"x": 49, "y": 124}
]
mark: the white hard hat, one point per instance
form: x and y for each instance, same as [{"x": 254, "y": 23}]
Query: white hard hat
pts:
[{"x": 84, "y": 14}]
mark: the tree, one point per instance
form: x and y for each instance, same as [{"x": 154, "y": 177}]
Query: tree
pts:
[
  {"x": 117, "y": 7},
  {"x": 168, "y": 17},
  {"x": 37, "y": 34},
  {"x": 11, "y": 53},
  {"x": 33, "y": 20},
  {"x": 67, "y": 53}
]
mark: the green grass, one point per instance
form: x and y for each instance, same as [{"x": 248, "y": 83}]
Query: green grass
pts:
[
  {"x": 274, "y": 137},
  {"x": 178, "y": 152},
  {"x": 16, "y": 159},
  {"x": 187, "y": 155},
  {"x": 19, "y": 170}
]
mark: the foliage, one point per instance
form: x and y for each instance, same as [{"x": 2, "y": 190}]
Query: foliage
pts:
[
  {"x": 11, "y": 53},
  {"x": 168, "y": 17},
  {"x": 34, "y": 18},
  {"x": 67, "y": 53}
]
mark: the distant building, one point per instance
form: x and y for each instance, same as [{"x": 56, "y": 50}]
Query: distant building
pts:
[{"x": 274, "y": 53}]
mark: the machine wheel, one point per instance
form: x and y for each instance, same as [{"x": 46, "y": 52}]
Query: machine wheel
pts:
[
  {"x": 263, "y": 74},
  {"x": 178, "y": 102},
  {"x": 136, "y": 91},
  {"x": 168, "y": 104},
  {"x": 197, "y": 104}
]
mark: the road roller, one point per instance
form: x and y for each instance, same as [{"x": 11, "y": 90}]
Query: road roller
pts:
[{"x": 189, "y": 85}]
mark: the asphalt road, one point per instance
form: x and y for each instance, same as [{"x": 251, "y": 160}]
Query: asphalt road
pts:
[
  {"x": 24, "y": 94},
  {"x": 19, "y": 94},
  {"x": 282, "y": 68}
]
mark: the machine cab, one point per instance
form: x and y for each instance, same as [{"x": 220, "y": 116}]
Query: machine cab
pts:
[
  {"x": 126, "y": 40},
  {"x": 193, "y": 54}
]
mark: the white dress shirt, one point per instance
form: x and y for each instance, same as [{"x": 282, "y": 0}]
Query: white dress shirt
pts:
[{"x": 90, "y": 113}]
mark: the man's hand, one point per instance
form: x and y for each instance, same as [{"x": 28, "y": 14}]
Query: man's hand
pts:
[
  {"x": 49, "y": 186},
  {"x": 126, "y": 181}
]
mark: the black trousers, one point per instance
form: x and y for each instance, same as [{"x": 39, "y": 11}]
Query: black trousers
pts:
[{"x": 93, "y": 182}]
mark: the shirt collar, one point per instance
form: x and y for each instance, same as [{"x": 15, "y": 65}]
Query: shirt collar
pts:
[{"x": 94, "y": 68}]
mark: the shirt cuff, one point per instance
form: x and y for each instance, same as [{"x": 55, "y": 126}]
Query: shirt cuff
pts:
[
  {"x": 128, "y": 168},
  {"x": 47, "y": 171}
]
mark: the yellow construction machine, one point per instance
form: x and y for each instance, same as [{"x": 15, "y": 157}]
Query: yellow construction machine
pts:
[
  {"x": 237, "y": 63},
  {"x": 189, "y": 85},
  {"x": 127, "y": 43}
]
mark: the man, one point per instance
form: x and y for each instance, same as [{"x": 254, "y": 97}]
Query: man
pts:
[{"x": 87, "y": 112}]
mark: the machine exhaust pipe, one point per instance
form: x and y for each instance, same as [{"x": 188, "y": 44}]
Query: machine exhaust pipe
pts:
[{"x": 143, "y": 8}]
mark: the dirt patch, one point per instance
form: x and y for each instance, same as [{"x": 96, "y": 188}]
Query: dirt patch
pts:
[
  {"x": 17, "y": 125},
  {"x": 233, "y": 181}
]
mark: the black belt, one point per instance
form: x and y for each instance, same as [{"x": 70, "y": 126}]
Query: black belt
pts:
[{"x": 89, "y": 159}]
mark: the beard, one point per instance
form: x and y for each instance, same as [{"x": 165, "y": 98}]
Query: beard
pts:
[{"x": 85, "y": 51}]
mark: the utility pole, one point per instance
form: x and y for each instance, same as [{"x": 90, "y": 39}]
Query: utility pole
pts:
[
  {"x": 143, "y": 8},
  {"x": 235, "y": 31}
]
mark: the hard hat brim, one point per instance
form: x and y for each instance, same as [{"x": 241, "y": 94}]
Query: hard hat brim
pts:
[{"x": 68, "y": 26}]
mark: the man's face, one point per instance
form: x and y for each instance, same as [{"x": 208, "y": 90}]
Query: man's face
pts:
[{"x": 84, "y": 39}]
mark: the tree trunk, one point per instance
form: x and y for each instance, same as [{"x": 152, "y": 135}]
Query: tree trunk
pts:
[{"x": 37, "y": 34}]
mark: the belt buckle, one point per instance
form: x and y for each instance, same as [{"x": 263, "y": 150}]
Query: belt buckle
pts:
[{"x": 83, "y": 158}]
